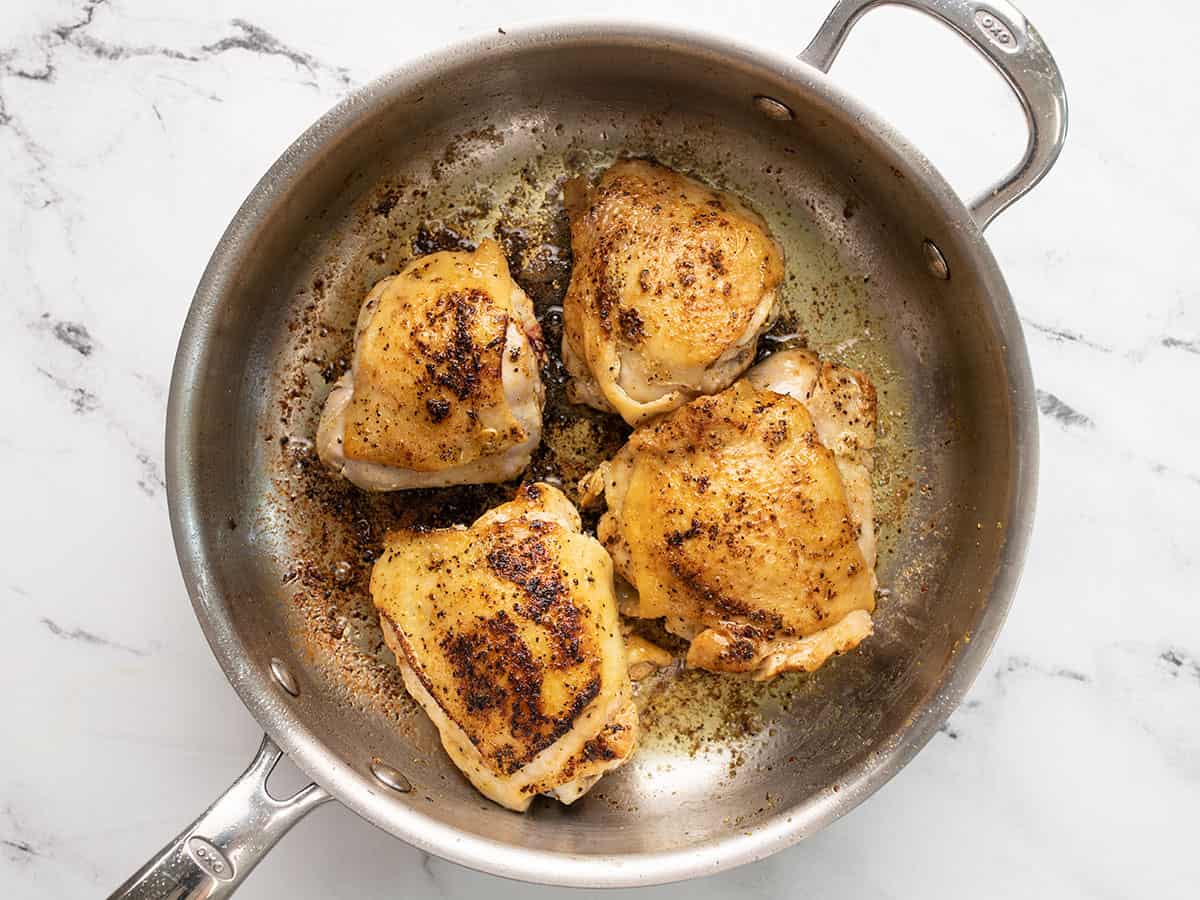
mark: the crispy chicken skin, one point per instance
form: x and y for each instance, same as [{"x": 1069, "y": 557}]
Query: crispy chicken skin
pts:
[
  {"x": 672, "y": 284},
  {"x": 507, "y": 635},
  {"x": 444, "y": 387},
  {"x": 745, "y": 518},
  {"x": 842, "y": 404}
]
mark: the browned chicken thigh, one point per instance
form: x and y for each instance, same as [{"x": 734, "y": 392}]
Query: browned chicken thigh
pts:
[
  {"x": 673, "y": 283},
  {"x": 744, "y": 519},
  {"x": 444, "y": 386},
  {"x": 507, "y": 635}
]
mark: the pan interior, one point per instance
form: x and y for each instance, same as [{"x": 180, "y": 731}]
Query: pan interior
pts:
[{"x": 481, "y": 151}]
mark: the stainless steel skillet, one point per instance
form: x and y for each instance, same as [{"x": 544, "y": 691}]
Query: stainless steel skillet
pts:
[{"x": 888, "y": 270}]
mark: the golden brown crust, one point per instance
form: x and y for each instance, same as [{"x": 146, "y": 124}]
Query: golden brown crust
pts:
[
  {"x": 842, "y": 404},
  {"x": 730, "y": 648},
  {"x": 670, "y": 279},
  {"x": 841, "y": 400},
  {"x": 510, "y": 626},
  {"x": 730, "y": 514},
  {"x": 428, "y": 387},
  {"x": 614, "y": 743}
]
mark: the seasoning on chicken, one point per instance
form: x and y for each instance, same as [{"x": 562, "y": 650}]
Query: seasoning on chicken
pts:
[
  {"x": 745, "y": 519},
  {"x": 444, "y": 386},
  {"x": 507, "y": 635},
  {"x": 673, "y": 283}
]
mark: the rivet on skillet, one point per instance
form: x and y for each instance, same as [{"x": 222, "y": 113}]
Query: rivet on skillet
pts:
[
  {"x": 390, "y": 776},
  {"x": 938, "y": 267},
  {"x": 283, "y": 676},
  {"x": 773, "y": 109}
]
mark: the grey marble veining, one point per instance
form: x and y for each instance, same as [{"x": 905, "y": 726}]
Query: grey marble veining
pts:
[{"x": 130, "y": 131}]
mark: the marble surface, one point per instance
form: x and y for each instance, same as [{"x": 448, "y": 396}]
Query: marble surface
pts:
[{"x": 131, "y": 130}]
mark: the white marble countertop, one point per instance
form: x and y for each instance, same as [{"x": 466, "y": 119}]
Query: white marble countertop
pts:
[{"x": 131, "y": 130}]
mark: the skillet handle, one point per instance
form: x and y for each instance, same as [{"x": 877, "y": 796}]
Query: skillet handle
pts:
[
  {"x": 999, "y": 32},
  {"x": 213, "y": 855}
]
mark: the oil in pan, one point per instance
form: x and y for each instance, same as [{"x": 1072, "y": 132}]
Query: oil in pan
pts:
[{"x": 723, "y": 720}]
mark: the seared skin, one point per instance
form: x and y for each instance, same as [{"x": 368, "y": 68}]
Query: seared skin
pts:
[
  {"x": 444, "y": 387},
  {"x": 842, "y": 404},
  {"x": 509, "y": 638},
  {"x": 672, "y": 284},
  {"x": 733, "y": 520}
]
